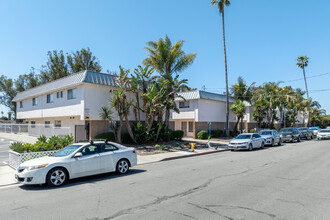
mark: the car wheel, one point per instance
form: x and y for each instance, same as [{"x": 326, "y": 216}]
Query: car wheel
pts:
[
  {"x": 250, "y": 147},
  {"x": 122, "y": 166},
  {"x": 279, "y": 142},
  {"x": 273, "y": 143},
  {"x": 298, "y": 139},
  {"x": 292, "y": 140},
  {"x": 57, "y": 176},
  {"x": 262, "y": 145}
]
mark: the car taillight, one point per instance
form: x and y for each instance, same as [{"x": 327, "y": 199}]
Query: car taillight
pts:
[{"x": 134, "y": 152}]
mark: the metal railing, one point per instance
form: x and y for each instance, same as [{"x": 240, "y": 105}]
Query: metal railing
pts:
[{"x": 35, "y": 130}]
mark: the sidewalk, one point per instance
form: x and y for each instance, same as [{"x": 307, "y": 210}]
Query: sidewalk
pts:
[
  {"x": 7, "y": 176},
  {"x": 7, "y": 173},
  {"x": 19, "y": 137},
  {"x": 212, "y": 141}
]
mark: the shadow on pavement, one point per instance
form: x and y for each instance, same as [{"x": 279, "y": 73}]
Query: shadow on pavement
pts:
[{"x": 83, "y": 180}]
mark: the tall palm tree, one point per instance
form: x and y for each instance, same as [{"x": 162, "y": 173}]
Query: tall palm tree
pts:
[
  {"x": 302, "y": 63},
  {"x": 221, "y": 6},
  {"x": 168, "y": 59},
  {"x": 240, "y": 91}
]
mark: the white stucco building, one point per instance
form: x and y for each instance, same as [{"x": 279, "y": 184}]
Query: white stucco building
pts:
[
  {"x": 74, "y": 101},
  {"x": 200, "y": 110}
]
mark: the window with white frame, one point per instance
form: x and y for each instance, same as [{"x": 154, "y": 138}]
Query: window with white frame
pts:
[
  {"x": 33, "y": 124},
  {"x": 35, "y": 101},
  {"x": 183, "y": 104},
  {"x": 58, "y": 124},
  {"x": 47, "y": 124},
  {"x": 21, "y": 104},
  {"x": 72, "y": 93},
  {"x": 50, "y": 98}
]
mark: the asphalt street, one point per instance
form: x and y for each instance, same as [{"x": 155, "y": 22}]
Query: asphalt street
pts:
[
  {"x": 287, "y": 182},
  {"x": 4, "y": 148}
]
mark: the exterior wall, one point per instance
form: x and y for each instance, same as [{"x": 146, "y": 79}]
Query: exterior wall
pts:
[
  {"x": 98, "y": 96},
  {"x": 97, "y": 127},
  {"x": 213, "y": 111},
  {"x": 60, "y": 107}
]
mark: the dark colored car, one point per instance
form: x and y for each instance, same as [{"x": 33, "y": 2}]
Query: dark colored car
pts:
[
  {"x": 306, "y": 133},
  {"x": 290, "y": 135}
]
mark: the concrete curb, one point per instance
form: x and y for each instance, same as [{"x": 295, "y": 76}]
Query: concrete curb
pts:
[{"x": 194, "y": 155}]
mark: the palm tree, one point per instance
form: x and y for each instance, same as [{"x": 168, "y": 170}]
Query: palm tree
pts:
[
  {"x": 168, "y": 59},
  {"x": 221, "y": 6},
  {"x": 302, "y": 63},
  {"x": 240, "y": 91},
  {"x": 106, "y": 114},
  {"x": 120, "y": 103},
  {"x": 238, "y": 109}
]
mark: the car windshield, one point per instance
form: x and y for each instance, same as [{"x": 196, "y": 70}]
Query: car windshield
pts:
[
  {"x": 243, "y": 136},
  {"x": 66, "y": 151},
  {"x": 325, "y": 131},
  {"x": 302, "y": 129},
  {"x": 286, "y": 130},
  {"x": 265, "y": 133}
]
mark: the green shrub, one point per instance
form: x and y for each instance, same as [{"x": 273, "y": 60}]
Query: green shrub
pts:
[
  {"x": 202, "y": 135},
  {"x": 252, "y": 131},
  {"x": 107, "y": 136},
  {"x": 42, "y": 139},
  {"x": 165, "y": 135},
  {"x": 177, "y": 135},
  {"x": 216, "y": 133},
  {"x": 126, "y": 138},
  {"x": 160, "y": 147},
  {"x": 18, "y": 147},
  {"x": 140, "y": 133},
  {"x": 54, "y": 143}
]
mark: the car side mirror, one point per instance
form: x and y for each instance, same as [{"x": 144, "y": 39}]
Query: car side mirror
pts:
[
  {"x": 77, "y": 155},
  {"x": 253, "y": 138}
]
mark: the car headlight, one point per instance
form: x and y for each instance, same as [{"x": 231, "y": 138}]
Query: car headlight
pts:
[{"x": 36, "y": 167}]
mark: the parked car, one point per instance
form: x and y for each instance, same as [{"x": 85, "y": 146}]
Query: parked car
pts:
[
  {"x": 323, "y": 134},
  {"x": 306, "y": 133},
  {"x": 290, "y": 135},
  {"x": 315, "y": 130},
  {"x": 77, "y": 160},
  {"x": 247, "y": 141},
  {"x": 271, "y": 137}
]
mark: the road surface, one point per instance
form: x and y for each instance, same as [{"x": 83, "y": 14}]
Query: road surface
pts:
[{"x": 287, "y": 182}]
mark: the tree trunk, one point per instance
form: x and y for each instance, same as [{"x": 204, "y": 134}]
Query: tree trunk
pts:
[
  {"x": 236, "y": 124},
  {"x": 241, "y": 125},
  {"x": 119, "y": 130},
  {"x": 167, "y": 117},
  {"x": 309, "y": 103},
  {"x": 160, "y": 124},
  {"x": 138, "y": 105},
  {"x": 129, "y": 129},
  {"x": 226, "y": 74}
]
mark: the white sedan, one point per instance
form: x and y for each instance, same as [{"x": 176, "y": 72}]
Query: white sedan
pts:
[
  {"x": 77, "y": 160},
  {"x": 247, "y": 141},
  {"x": 323, "y": 134}
]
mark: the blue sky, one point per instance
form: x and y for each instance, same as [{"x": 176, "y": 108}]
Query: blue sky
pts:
[{"x": 264, "y": 38}]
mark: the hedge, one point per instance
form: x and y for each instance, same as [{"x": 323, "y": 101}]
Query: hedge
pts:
[{"x": 202, "y": 135}]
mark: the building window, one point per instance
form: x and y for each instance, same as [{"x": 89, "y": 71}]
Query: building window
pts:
[
  {"x": 183, "y": 104},
  {"x": 191, "y": 126},
  {"x": 47, "y": 124},
  {"x": 35, "y": 101},
  {"x": 57, "y": 123},
  {"x": 21, "y": 104},
  {"x": 50, "y": 98},
  {"x": 33, "y": 124},
  {"x": 72, "y": 93},
  {"x": 59, "y": 94}
]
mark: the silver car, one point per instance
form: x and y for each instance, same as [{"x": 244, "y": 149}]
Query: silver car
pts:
[
  {"x": 247, "y": 141},
  {"x": 271, "y": 137}
]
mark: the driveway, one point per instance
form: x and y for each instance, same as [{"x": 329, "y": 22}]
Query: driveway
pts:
[
  {"x": 286, "y": 182},
  {"x": 4, "y": 147}
]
